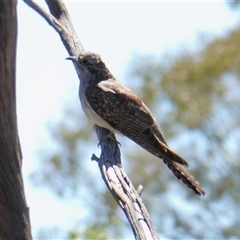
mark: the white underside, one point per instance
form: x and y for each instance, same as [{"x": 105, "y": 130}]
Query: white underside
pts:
[{"x": 95, "y": 118}]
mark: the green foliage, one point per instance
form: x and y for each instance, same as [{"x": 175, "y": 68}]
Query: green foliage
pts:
[
  {"x": 65, "y": 177},
  {"x": 196, "y": 98},
  {"x": 202, "y": 93},
  {"x": 95, "y": 231}
]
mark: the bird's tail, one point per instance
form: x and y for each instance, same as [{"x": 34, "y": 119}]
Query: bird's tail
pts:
[{"x": 182, "y": 174}]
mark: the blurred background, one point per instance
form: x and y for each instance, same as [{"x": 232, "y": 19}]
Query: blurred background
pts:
[{"x": 183, "y": 60}]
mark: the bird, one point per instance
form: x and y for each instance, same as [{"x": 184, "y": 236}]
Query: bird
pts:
[{"x": 111, "y": 105}]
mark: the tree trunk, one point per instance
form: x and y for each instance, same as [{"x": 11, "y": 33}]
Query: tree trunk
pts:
[{"x": 14, "y": 215}]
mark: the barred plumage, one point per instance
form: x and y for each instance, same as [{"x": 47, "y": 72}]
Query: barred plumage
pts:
[{"x": 115, "y": 107}]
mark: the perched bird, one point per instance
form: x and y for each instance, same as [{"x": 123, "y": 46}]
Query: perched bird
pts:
[{"x": 110, "y": 105}]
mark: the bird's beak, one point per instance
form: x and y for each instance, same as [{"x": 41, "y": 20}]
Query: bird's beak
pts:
[{"x": 73, "y": 58}]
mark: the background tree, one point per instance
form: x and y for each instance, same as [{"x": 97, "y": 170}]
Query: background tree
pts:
[
  {"x": 14, "y": 220},
  {"x": 195, "y": 96}
]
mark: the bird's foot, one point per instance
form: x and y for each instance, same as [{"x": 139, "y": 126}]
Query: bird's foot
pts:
[{"x": 110, "y": 135}]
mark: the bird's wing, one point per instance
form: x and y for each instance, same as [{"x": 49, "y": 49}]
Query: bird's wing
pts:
[{"x": 124, "y": 111}]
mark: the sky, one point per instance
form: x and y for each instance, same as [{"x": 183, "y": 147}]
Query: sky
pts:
[{"x": 45, "y": 81}]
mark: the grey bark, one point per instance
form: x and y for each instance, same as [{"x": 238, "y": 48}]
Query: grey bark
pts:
[{"x": 14, "y": 213}]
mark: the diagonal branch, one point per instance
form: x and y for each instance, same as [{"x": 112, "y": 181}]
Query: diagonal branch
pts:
[
  {"x": 110, "y": 162},
  {"x": 61, "y": 22},
  {"x": 122, "y": 189},
  {"x": 48, "y": 17}
]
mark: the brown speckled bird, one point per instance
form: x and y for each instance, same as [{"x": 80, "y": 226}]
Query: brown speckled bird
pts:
[{"x": 110, "y": 105}]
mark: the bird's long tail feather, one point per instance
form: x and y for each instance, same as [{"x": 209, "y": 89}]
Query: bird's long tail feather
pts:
[{"x": 182, "y": 174}]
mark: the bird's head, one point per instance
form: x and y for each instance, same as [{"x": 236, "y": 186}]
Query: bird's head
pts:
[{"x": 91, "y": 67}]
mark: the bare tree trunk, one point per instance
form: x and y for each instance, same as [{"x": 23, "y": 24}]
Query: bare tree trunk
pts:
[{"x": 14, "y": 215}]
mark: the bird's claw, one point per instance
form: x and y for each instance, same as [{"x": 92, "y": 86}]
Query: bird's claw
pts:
[{"x": 110, "y": 135}]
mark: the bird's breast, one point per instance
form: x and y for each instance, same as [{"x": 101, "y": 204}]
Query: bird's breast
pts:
[{"x": 92, "y": 115}]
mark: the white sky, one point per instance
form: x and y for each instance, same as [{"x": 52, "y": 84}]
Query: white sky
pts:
[{"x": 114, "y": 30}]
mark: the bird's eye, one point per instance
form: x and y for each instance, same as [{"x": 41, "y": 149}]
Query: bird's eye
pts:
[{"x": 84, "y": 61}]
